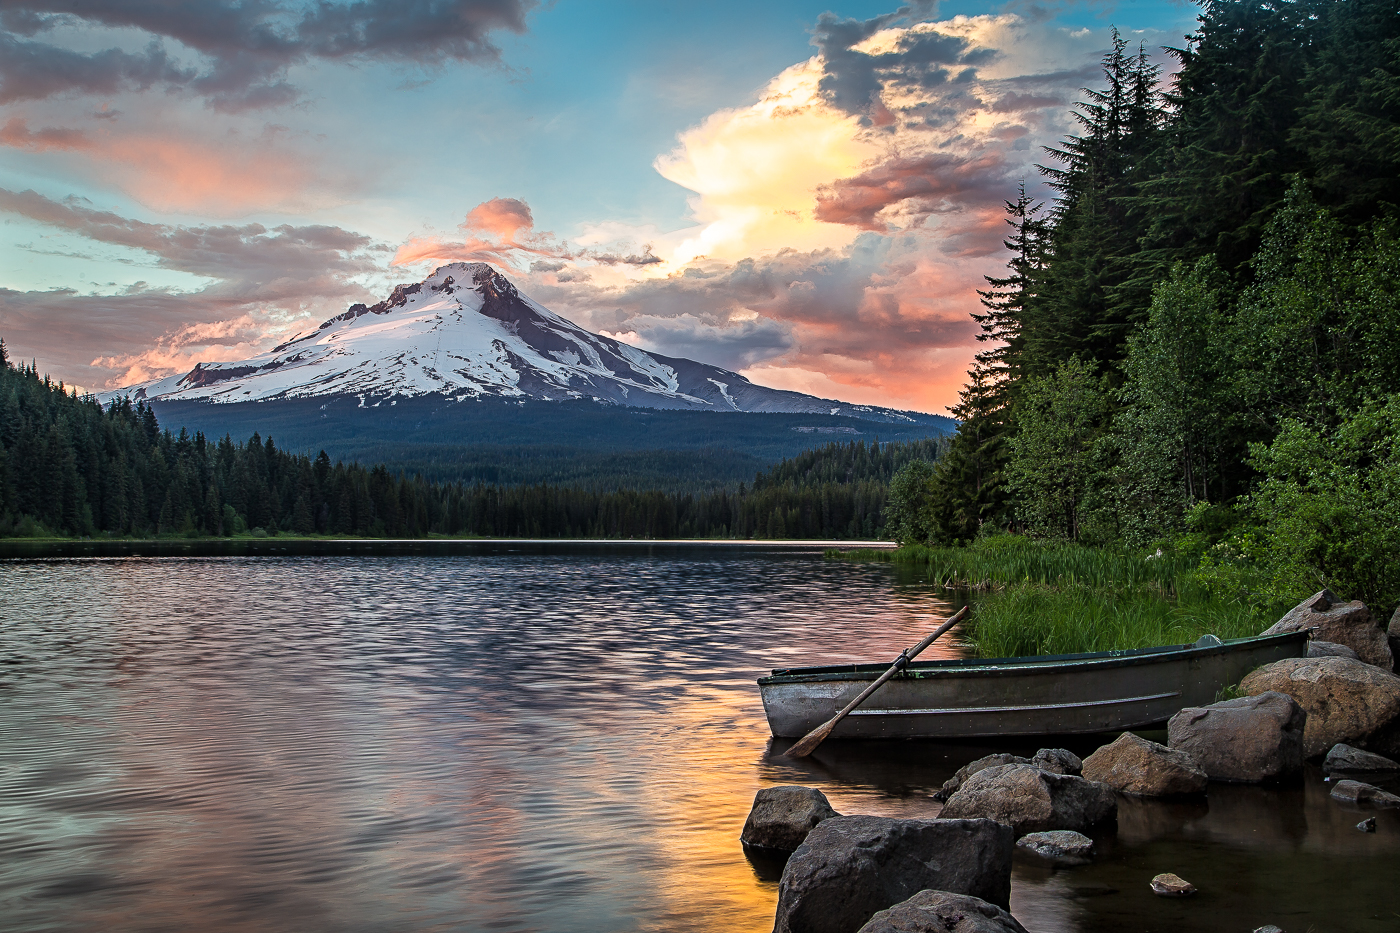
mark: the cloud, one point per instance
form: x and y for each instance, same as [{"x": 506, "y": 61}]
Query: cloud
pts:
[
  {"x": 15, "y": 134},
  {"x": 263, "y": 283},
  {"x": 502, "y": 231},
  {"x": 844, "y": 221},
  {"x": 229, "y": 176},
  {"x": 244, "y": 48},
  {"x": 933, "y": 183}
]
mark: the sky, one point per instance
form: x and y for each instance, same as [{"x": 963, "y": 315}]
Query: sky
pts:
[{"x": 807, "y": 194}]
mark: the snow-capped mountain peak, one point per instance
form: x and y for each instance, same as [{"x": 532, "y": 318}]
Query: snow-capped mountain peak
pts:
[{"x": 467, "y": 332}]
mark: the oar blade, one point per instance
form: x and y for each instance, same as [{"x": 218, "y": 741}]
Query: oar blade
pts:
[{"x": 809, "y": 742}]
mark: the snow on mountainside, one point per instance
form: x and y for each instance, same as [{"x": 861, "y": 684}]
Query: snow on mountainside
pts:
[{"x": 466, "y": 332}]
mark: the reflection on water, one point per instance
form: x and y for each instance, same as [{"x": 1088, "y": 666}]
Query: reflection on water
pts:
[{"x": 554, "y": 739}]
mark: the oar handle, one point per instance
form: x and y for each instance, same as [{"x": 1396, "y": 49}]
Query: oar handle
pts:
[{"x": 905, "y": 656}]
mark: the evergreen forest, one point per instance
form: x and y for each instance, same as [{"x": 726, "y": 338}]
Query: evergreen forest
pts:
[
  {"x": 70, "y": 467},
  {"x": 1195, "y": 347}
]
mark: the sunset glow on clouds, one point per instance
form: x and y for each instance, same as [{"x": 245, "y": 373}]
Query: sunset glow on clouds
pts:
[{"x": 183, "y": 200}]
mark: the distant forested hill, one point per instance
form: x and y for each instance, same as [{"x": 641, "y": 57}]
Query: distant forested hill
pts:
[{"x": 68, "y": 466}]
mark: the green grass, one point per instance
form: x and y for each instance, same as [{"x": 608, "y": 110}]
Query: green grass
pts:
[
  {"x": 1033, "y": 618},
  {"x": 1033, "y": 597}
]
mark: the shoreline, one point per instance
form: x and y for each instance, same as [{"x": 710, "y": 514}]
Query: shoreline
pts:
[{"x": 290, "y": 546}]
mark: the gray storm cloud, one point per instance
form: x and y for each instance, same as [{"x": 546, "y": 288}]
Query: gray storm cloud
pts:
[{"x": 245, "y": 48}]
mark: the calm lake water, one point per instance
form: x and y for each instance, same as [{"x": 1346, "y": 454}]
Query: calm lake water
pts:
[{"x": 520, "y": 738}]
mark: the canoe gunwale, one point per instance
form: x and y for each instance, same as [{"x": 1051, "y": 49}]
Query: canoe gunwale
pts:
[{"x": 1012, "y": 667}]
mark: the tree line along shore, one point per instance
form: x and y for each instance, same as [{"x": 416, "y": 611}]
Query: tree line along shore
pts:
[{"x": 71, "y": 468}]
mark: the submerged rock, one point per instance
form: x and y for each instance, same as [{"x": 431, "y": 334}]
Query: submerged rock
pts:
[
  {"x": 942, "y": 912},
  {"x": 1346, "y": 701},
  {"x": 1248, "y": 740},
  {"x": 1169, "y": 885},
  {"x": 950, "y": 786},
  {"x": 1058, "y": 760},
  {"x": 783, "y": 816},
  {"x": 1345, "y": 758},
  {"x": 1364, "y": 795},
  {"x": 1351, "y": 624},
  {"x": 1031, "y": 800},
  {"x": 1131, "y": 764},
  {"x": 849, "y": 867},
  {"x": 1057, "y": 844}
]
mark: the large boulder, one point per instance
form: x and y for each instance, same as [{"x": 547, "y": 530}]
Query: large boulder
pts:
[
  {"x": 950, "y": 786},
  {"x": 1350, "y": 624},
  {"x": 1346, "y": 701},
  {"x": 1058, "y": 760},
  {"x": 849, "y": 867},
  {"x": 941, "y": 912},
  {"x": 1252, "y": 739},
  {"x": 1031, "y": 800},
  {"x": 783, "y": 816},
  {"x": 1131, "y": 764},
  {"x": 1345, "y": 758}
]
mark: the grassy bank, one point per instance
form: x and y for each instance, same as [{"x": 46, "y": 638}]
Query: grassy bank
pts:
[{"x": 1050, "y": 598}]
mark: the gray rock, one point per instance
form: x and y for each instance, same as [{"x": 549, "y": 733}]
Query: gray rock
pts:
[
  {"x": 1393, "y": 636},
  {"x": 1057, "y": 844},
  {"x": 1364, "y": 795},
  {"x": 849, "y": 867},
  {"x": 1345, "y": 758},
  {"x": 1058, "y": 760},
  {"x": 783, "y": 816},
  {"x": 1131, "y": 764},
  {"x": 950, "y": 786},
  {"x": 1269, "y": 929},
  {"x": 1330, "y": 619},
  {"x": 941, "y": 912},
  {"x": 1346, "y": 701},
  {"x": 1252, "y": 739},
  {"x": 1367, "y": 825},
  {"x": 1330, "y": 649},
  {"x": 1170, "y": 885},
  {"x": 1031, "y": 800}
]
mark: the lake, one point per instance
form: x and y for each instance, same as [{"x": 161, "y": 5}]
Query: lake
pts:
[{"x": 520, "y": 737}]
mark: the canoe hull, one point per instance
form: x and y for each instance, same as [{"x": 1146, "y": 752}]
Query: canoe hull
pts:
[{"x": 1066, "y": 695}]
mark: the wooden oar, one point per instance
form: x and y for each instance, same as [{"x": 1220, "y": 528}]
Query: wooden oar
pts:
[{"x": 817, "y": 736}]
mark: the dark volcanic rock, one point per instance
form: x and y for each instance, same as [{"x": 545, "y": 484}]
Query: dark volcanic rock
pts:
[
  {"x": 1058, "y": 760},
  {"x": 1131, "y": 764},
  {"x": 783, "y": 816},
  {"x": 1257, "y": 738},
  {"x": 852, "y": 866},
  {"x": 951, "y": 785},
  {"x": 1330, "y": 619},
  {"x": 941, "y": 912},
  {"x": 1031, "y": 800},
  {"x": 1346, "y": 701},
  {"x": 1345, "y": 758}
]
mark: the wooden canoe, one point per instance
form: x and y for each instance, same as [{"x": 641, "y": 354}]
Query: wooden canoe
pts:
[{"x": 1050, "y": 695}]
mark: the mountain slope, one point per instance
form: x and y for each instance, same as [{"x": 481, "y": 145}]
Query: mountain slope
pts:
[{"x": 465, "y": 333}]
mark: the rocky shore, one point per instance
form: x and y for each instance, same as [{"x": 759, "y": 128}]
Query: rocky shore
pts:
[{"x": 1339, "y": 706}]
